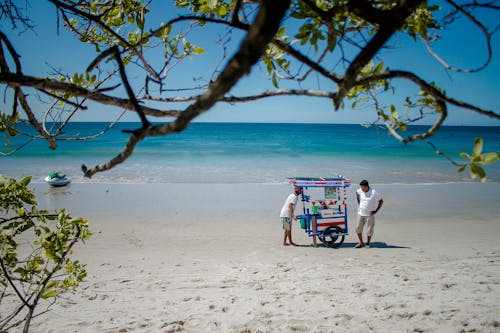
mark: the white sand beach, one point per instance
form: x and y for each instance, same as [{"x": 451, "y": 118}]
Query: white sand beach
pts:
[{"x": 209, "y": 258}]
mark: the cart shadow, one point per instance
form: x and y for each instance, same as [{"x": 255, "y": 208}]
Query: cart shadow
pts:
[
  {"x": 377, "y": 245},
  {"x": 373, "y": 245}
]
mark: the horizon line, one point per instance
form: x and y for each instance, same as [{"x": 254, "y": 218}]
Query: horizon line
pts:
[{"x": 271, "y": 122}]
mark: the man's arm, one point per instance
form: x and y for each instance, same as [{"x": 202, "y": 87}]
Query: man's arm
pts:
[
  {"x": 380, "y": 203},
  {"x": 292, "y": 211}
]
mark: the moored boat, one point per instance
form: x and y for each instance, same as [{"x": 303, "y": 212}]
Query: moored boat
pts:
[{"x": 57, "y": 180}]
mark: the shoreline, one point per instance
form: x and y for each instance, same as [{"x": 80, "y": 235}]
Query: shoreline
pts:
[
  {"x": 91, "y": 181},
  {"x": 209, "y": 257}
]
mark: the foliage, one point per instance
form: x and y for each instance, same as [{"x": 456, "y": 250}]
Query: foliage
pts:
[
  {"x": 8, "y": 127},
  {"x": 478, "y": 159},
  {"x": 303, "y": 45},
  {"x": 35, "y": 249}
]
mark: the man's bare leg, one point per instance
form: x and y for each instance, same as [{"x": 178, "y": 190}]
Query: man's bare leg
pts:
[
  {"x": 360, "y": 244},
  {"x": 284, "y": 238}
]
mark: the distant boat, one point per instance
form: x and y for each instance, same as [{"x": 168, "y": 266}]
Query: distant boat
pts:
[{"x": 57, "y": 180}]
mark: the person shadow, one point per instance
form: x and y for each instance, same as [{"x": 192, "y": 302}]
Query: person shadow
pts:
[
  {"x": 377, "y": 245},
  {"x": 373, "y": 245}
]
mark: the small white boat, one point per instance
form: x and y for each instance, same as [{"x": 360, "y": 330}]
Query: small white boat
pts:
[{"x": 56, "y": 180}]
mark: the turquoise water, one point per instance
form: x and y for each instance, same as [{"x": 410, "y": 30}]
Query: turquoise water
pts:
[{"x": 256, "y": 153}]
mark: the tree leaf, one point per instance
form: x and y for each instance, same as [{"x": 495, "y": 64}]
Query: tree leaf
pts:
[
  {"x": 489, "y": 158},
  {"x": 49, "y": 293},
  {"x": 198, "y": 50},
  {"x": 222, "y": 11},
  {"x": 466, "y": 156},
  {"x": 275, "y": 81},
  {"x": 478, "y": 146},
  {"x": 476, "y": 171}
]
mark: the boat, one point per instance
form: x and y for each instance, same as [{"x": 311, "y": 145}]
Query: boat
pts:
[{"x": 57, "y": 180}]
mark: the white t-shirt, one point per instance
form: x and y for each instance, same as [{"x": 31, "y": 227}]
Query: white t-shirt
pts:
[
  {"x": 285, "y": 210},
  {"x": 368, "y": 201}
]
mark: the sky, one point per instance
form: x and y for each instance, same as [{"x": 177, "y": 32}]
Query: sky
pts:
[{"x": 52, "y": 47}]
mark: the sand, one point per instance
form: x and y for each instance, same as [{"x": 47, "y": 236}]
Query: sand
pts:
[{"x": 209, "y": 258}]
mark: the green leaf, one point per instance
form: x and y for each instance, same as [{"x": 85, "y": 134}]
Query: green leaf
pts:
[
  {"x": 21, "y": 211},
  {"x": 275, "y": 81},
  {"x": 489, "y": 158},
  {"x": 222, "y": 11},
  {"x": 205, "y": 9},
  {"x": 462, "y": 168},
  {"x": 140, "y": 21},
  {"x": 49, "y": 293},
  {"x": 476, "y": 171},
  {"x": 281, "y": 32},
  {"x": 12, "y": 131},
  {"x": 394, "y": 112},
  {"x": 478, "y": 146},
  {"x": 52, "y": 284},
  {"x": 466, "y": 156},
  {"x": 198, "y": 50},
  {"x": 25, "y": 181},
  {"x": 379, "y": 68}
]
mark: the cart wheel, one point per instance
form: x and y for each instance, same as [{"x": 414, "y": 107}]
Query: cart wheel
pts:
[{"x": 332, "y": 236}]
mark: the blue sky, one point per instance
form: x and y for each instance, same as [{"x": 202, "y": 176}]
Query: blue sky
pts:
[{"x": 464, "y": 46}]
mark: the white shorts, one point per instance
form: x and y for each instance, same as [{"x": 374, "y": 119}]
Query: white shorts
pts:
[{"x": 369, "y": 220}]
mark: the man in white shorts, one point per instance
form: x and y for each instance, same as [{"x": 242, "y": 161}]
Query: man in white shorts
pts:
[
  {"x": 287, "y": 214},
  {"x": 369, "y": 203}
]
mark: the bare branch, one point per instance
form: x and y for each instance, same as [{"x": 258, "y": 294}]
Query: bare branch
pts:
[
  {"x": 485, "y": 32},
  {"x": 304, "y": 59},
  {"x": 130, "y": 92},
  {"x": 14, "y": 80},
  {"x": 18, "y": 93},
  {"x": 437, "y": 94},
  {"x": 133, "y": 140},
  {"x": 441, "y": 153},
  {"x": 265, "y": 94}
]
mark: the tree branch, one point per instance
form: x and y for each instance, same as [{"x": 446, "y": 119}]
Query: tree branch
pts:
[
  {"x": 261, "y": 32},
  {"x": 437, "y": 94},
  {"x": 97, "y": 20},
  {"x": 18, "y": 93},
  {"x": 398, "y": 16},
  {"x": 238, "y": 99},
  {"x": 305, "y": 60},
  {"x": 485, "y": 32},
  {"x": 15, "y": 80}
]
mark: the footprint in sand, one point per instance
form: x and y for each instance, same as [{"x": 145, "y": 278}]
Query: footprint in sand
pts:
[
  {"x": 175, "y": 326},
  {"x": 132, "y": 240}
]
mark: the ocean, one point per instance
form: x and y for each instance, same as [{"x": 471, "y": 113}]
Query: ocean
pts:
[{"x": 255, "y": 153}]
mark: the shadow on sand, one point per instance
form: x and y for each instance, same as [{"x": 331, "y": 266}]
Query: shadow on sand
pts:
[
  {"x": 373, "y": 245},
  {"x": 377, "y": 245}
]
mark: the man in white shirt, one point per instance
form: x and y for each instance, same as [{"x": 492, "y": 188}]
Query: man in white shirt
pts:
[
  {"x": 287, "y": 214},
  {"x": 369, "y": 203}
]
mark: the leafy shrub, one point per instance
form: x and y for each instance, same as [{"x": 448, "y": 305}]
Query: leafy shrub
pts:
[{"x": 35, "y": 249}]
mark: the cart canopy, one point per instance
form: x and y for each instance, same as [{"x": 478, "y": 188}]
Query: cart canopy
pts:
[{"x": 319, "y": 182}]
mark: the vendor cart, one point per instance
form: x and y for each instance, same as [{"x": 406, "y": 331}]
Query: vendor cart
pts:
[{"x": 324, "y": 205}]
